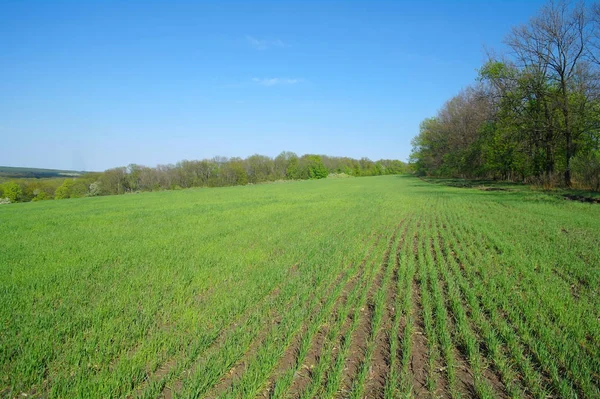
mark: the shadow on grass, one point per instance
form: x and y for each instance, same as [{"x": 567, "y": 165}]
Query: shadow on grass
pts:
[{"x": 506, "y": 191}]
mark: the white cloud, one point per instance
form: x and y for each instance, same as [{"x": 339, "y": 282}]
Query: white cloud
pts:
[
  {"x": 261, "y": 44},
  {"x": 275, "y": 81}
]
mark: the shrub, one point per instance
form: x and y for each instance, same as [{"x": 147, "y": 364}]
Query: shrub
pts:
[
  {"x": 586, "y": 170},
  {"x": 13, "y": 191},
  {"x": 316, "y": 168},
  {"x": 95, "y": 189},
  {"x": 40, "y": 195}
]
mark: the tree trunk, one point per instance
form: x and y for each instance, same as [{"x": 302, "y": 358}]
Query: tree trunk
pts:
[
  {"x": 548, "y": 140},
  {"x": 569, "y": 155},
  {"x": 568, "y": 136}
]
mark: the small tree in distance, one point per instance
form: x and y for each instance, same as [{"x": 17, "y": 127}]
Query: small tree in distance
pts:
[
  {"x": 316, "y": 168},
  {"x": 13, "y": 191}
]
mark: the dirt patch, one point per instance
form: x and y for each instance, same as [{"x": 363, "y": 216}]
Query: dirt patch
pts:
[
  {"x": 442, "y": 384},
  {"x": 581, "y": 198},
  {"x": 401, "y": 331},
  {"x": 239, "y": 368},
  {"x": 492, "y": 189},
  {"x": 419, "y": 352},
  {"x": 380, "y": 365},
  {"x": 358, "y": 346},
  {"x": 362, "y": 333},
  {"x": 303, "y": 376},
  {"x": 464, "y": 376},
  {"x": 162, "y": 372},
  {"x": 290, "y": 357},
  {"x": 294, "y": 270},
  {"x": 219, "y": 340},
  {"x": 492, "y": 375},
  {"x": 236, "y": 372},
  {"x": 287, "y": 361}
]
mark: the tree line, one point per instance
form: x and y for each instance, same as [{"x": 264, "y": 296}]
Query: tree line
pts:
[
  {"x": 533, "y": 115},
  {"x": 214, "y": 172}
]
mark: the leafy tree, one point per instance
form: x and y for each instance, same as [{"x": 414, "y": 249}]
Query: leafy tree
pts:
[
  {"x": 64, "y": 190},
  {"x": 71, "y": 188},
  {"x": 530, "y": 114},
  {"x": 281, "y": 164},
  {"x": 586, "y": 167},
  {"x": 293, "y": 169},
  {"x": 13, "y": 191},
  {"x": 259, "y": 168},
  {"x": 215, "y": 172},
  {"x": 114, "y": 181},
  {"x": 40, "y": 195},
  {"x": 233, "y": 173},
  {"x": 95, "y": 189},
  {"x": 315, "y": 167}
]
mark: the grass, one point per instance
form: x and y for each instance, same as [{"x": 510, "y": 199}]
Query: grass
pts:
[{"x": 306, "y": 289}]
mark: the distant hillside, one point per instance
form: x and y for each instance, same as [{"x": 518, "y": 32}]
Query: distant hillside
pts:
[{"x": 19, "y": 173}]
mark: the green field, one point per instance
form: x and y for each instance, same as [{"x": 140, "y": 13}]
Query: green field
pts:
[{"x": 366, "y": 287}]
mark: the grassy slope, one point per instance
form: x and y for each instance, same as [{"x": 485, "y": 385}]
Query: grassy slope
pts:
[{"x": 101, "y": 294}]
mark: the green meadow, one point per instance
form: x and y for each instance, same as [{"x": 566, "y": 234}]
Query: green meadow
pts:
[{"x": 373, "y": 287}]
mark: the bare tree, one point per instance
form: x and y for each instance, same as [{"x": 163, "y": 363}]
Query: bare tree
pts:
[
  {"x": 554, "y": 43},
  {"x": 594, "y": 48}
]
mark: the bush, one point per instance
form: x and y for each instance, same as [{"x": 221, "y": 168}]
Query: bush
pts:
[
  {"x": 40, "y": 195},
  {"x": 64, "y": 190},
  {"x": 546, "y": 181},
  {"x": 586, "y": 170},
  {"x": 71, "y": 189},
  {"x": 95, "y": 189},
  {"x": 13, "y": 191},
  {"x": 316, "y": 168}
]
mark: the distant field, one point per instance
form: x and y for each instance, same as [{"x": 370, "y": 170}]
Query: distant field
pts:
[
  {"x": 366, "y": 287},
  {"x": 9, "y": 172}
]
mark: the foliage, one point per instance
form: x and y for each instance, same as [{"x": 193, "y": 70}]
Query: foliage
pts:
[
  {"x": 530, "y": 114},
  {"x": 586, "y": 168},
  {"x": 95, "y": 189},
  {"x": 71, "y": 188},
  {"x": 40, "y": 195},
  {"x": 316, "y": 169},
  {"x": 13, "y": 191},
  {"x": 215, "y": 172},
  {"x": 64, "y": 191}
]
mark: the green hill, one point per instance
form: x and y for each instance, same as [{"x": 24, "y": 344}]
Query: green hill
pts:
[{"x": 37, "y": 173}]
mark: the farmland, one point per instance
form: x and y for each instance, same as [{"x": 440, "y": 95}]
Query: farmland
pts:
[{"x": 364, "y": 287}]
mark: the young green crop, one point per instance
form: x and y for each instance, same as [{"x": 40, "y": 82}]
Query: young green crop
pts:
[{"x": 298, "y": 290}]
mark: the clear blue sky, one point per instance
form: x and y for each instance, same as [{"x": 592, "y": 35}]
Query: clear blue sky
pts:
[{"x": 93, "y": 85}]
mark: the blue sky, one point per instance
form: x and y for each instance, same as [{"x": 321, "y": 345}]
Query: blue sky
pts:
[{"x": 92, "y": 85}]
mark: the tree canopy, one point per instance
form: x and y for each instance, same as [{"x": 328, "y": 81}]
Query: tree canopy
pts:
[
  {"x": 533, "y": 114},
  {"x": 215, "y": 172}
]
